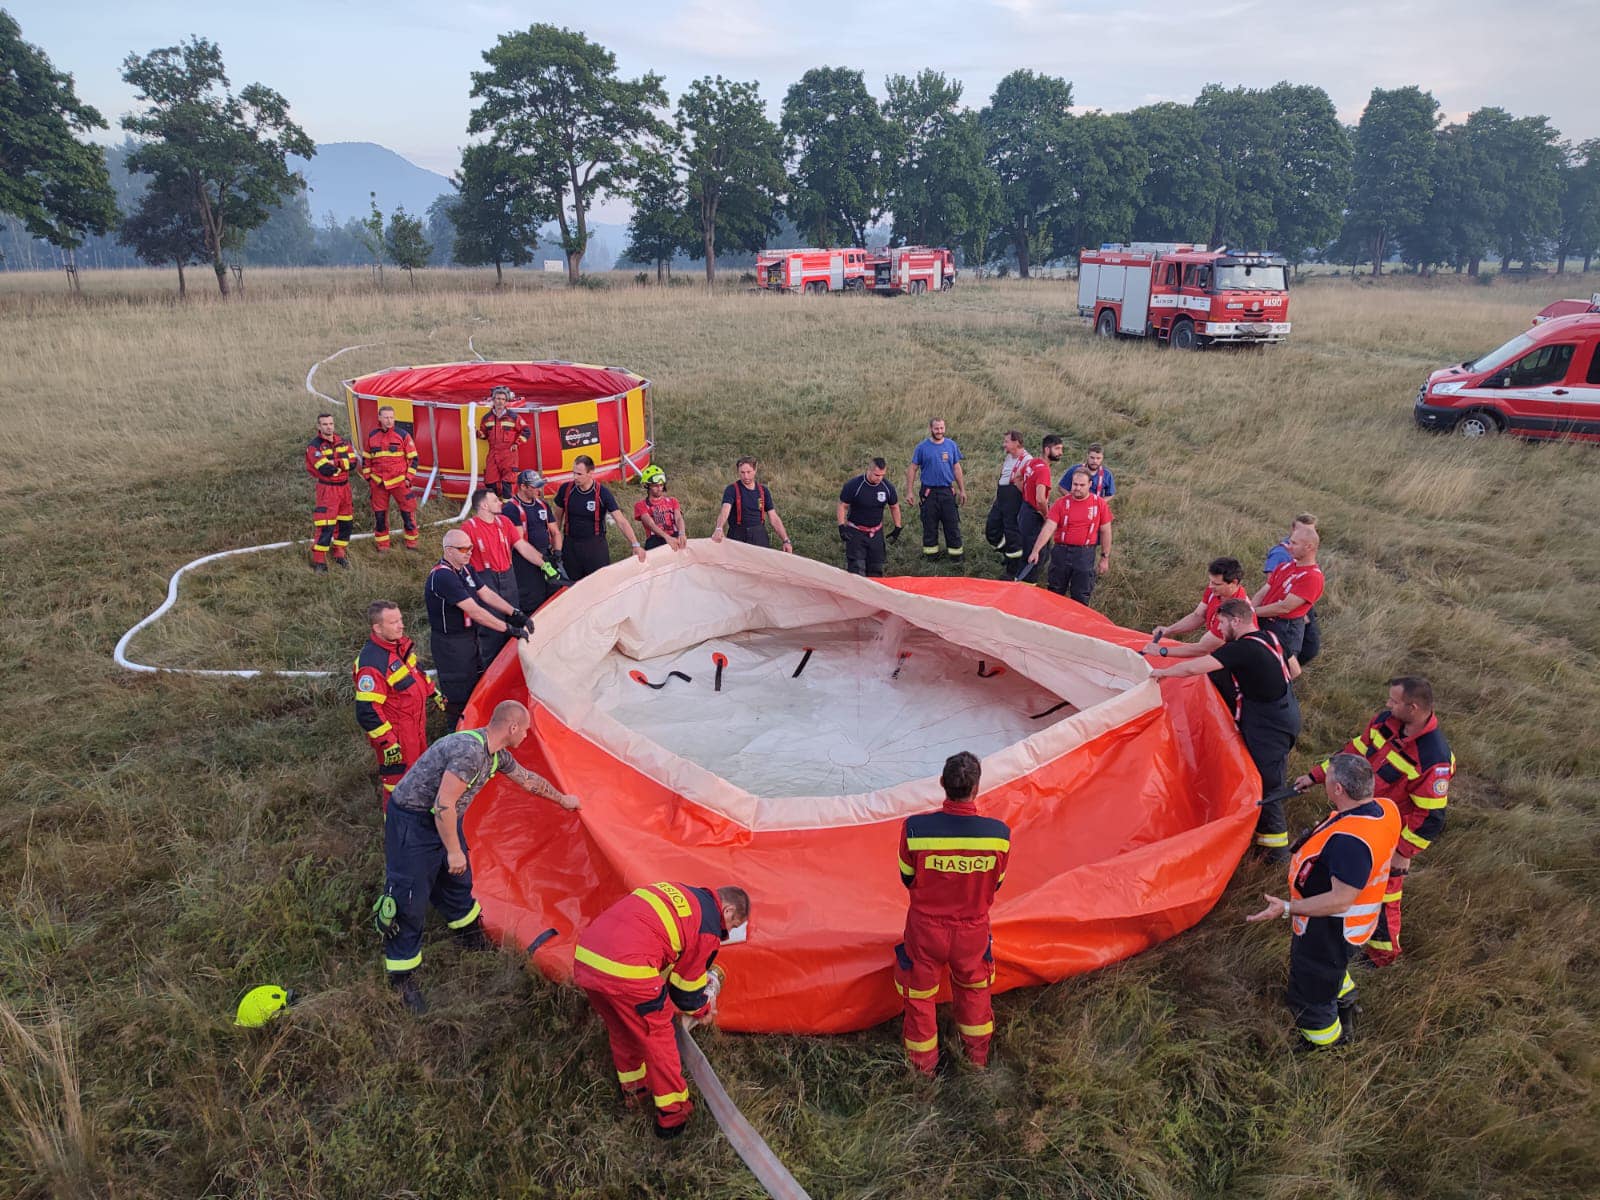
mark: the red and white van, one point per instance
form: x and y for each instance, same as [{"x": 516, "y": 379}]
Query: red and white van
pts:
[{"x": 1544, "y": 383}]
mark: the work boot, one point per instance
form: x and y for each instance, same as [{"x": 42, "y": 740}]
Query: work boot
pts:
[
  {"x": 319, "y": 568},
  {"x": 667, "y": 1132},
  {"x": 342, "y": 561},
  {"x": 410, "y": 994},
  {"x": 1348, "y": 1011},
  {"x": 1304, "y": 1046},
  {"x": 383, "y": 549},
  {"x": 472, "y": 937},
  {"x": 1272, "y": 856},
  {"x": 413, "y": 549}
]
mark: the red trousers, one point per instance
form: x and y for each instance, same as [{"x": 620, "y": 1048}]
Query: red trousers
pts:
[
  {"x": 645, "y": 1052},
  {"x": 330, "y": 521},
  {"x": 399, "y": 492},
  {"x": 920, "y": 960},
  {"x": 411, "y": 727},
  {"x": 1384, "y": 945},
  {"x": 500, "y": 471}
]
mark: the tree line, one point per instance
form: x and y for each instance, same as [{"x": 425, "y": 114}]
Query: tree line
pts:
[{"x": 1021, "y": 181}]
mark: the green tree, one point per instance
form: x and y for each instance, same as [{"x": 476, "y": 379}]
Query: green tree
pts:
[
  {"x": 1105, "y": 168},
  {"x": 732, "y": 159},
  {"x": 1578, "y": 231},
  {"x": 498, "y": 211},
  {"x": 1313, "y": 178},
  {"x": 1393, "y": 178},
  {"x": 1453, "y": 227},
  {"x": 372, "y": 235},
  {"x": 441, "y": 230},
  {"x": 406, "y": 243},
  {"x": 553, "y": 98},
  {"x": 1026, "y": 129},
  {"x": 1245, "y": 135},
  {"x": 662, "y": 224},
  {"x": 1528, "y": 157},
  {"x": 287, "y": 237},
  {"x": 1181, "y": 193},
  {"x": 228, "y": 150},
  {"x": 54, "y": 184},
  {"x": 841, "y": 149},
  {"x": 164, "y": 229},
  {"x": 942, "y": 189}
]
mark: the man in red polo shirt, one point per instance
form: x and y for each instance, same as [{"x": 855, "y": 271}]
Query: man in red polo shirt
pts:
[
  {"x": 1287, "y": 596},
  {"x": 1078, "y": 523},
  {"x": 1222, "y": 583},
  {"x": 495, "y": 538},
  {"x": 1032, "y": 479}
]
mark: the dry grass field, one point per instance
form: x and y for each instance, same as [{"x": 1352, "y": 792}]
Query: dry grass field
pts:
[{"x": 166, "y": 842}]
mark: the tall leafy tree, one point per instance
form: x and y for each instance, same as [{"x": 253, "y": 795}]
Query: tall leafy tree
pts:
[
  {"x": 553, "y": 98},
  {"x": 1181, "y": 193},
  {"x": 1527, "y": 208},
  {"x": 499, "y": 209},
  {"x": 229, "y": 151},
  {"x": 1393, "y": 180},
  {"x": 406, "y": 243},
  {"x": 1105, "y": 170},
  {"x": 1313, "y": 178},
  {"x": 1026, "y": 127},
  {"x": 164, "y": 229},
  {"x": 662, "y": 223},
  {"x": 440, "y": 228},
  {"x": 56, "y": 185},
  {"x": 1578, "y": 230},
  {"x": 942, "y": 190},
  {"x": 841, "y": 149},
  {"x": 286, "y": 239},
  {"x": 1453, "y": 228},
  {"x": 732, "y": 159},
  {"x": 1244, "y": 133}
]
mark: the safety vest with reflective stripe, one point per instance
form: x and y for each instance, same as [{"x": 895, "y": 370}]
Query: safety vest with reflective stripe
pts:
[
  {"x": 1380, "y": 833},
  {"x": 662, "y": 929}
]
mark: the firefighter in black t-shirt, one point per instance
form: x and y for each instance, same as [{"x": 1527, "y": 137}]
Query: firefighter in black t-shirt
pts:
[
  {"x": 583, "y": 506},
  {"x": 528, "y": 511},
  {"x": 1250, "y": 672},
  {"x": 457, "y": 601},
  {"x": 861, "y": 504}
]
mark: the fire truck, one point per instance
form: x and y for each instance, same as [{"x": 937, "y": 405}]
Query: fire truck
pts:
[
  {"x": 912, "y": 270},
  {"x": 1185, "y": 295},
  {"x": 843, "y": 270}
]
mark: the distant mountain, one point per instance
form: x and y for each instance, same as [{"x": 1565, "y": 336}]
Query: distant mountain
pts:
[{"x": 343, "y": 175}]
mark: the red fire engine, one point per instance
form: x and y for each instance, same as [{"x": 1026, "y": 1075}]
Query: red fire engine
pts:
[
  {"x": 1185, "y": 295},
  {"x": 888, "y": 271},
  {"x": 912, "y": 270}
]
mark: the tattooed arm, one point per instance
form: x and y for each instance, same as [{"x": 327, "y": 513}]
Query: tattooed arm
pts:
[{"x": 538, "y": 785}]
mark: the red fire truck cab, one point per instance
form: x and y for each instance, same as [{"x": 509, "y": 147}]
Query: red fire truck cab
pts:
[
  {"x": 807, "y": 270},
  {"x": 1184, "y": 295}
]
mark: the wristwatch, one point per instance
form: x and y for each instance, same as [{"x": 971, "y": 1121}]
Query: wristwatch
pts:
[
  {"x": 1286, "y": 904},
  {"x": 1162, "y": 652}
]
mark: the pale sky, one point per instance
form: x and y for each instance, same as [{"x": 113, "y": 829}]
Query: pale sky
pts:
[{"x": 397, "y": 72}]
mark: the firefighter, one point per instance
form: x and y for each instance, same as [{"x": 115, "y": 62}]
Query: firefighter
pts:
[
  {"x": 535, "y": 521},
  {"x": 390, "y": 469},
  {"x": 1032, "y": 479},
  {"x": 1414, "y": 767},
  {"x": 1078, "y": 523},
  {"x": 1311, "y": 641},
  {"x": 497, "y": 543},
  {"x": 659, "y": 514},
  {"x": 952, "y": 862},
  {"x": 1250, "y": 671},
  {"x": 328, "y": 461},
  {"x": 1000, "y": 529},
  {"x": 861, "y": 503},
  {"x": 656, "y": 944},
  {"x": 1222, "y": 583},
  {"x": 1283, "y": 601},
  {"x": 457, "y": 605},
  {"x": 1336, "y": 882},
  {"x": 503, "y": 431},
  {"x": 425, "y": 849},
  {"x": 944, "y": 490},
  {"x": 392, "y": 694},
  {"x": 583, "y": 506},
  {"x": 749, "y": 505},
  {"x": 1100, "y": 481}
]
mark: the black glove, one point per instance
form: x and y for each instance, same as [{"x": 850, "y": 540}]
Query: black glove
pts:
[
  {"x": 553, "y": 556},
  {"x": 520, "y": 632},
  {"x": 844, "y": 533},
  {"x": 393, "y": 756},
  {"x": 517, "y": 619},
  {"x": 894, "y": 534}
]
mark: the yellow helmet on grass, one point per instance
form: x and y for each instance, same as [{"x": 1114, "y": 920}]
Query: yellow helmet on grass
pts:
[{"x": 261, "y": 1004}]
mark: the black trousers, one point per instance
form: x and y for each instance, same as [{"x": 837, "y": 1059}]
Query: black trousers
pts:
[
  {"x": 864, "y": 553},
  {"x": 751, "y": 535},
  {"x": 504, "y": 585},
  {"x": 1072, "y": 571},
  {"x": 1318, "y": 961},
  {"x": 584, "y": 556},
  {"x": 1311, "y": 643},
  {"x": 1000, "y": 529},
  {"x": 1290, "y": 632},
  {"x": 1270, "y": 729},
  {"x": 1029, "y": 523},
  {"x": 940, "y": 513},
  {"x": 533, "y": 589},
  {"x": 455, "y": 658}
]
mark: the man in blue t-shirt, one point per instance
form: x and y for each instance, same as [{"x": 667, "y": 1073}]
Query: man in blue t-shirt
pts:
[
  {"x": 1311, "y": 642},
  {"x": 944, "y": 489},
  {"x": 861, "y": 504},
  {"x": 1100, "y": 481}
]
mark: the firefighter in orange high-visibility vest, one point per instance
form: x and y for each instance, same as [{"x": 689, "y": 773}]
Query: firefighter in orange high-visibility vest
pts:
[
  {"x": 504, "y": 431},
  {"x": 329, "y": 459},
  {"x": 648, "y": 956},
  {"x": 952, "y": 862},
  {"x": 1337, "y": 874},
  {"x": 1414, "y": 767},
  {"x": 389, "y": 466},
  {"x": 392, "y": 694}
]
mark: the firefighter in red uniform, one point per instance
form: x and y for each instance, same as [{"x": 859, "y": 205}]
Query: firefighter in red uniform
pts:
[
  {"x": 1336, "y": 881},
  {"x": 1222, "y": 583},
  {"x": 1414, "y": 767},
  {"x": 654, "y": 945},
  {"x": 392, "y": 694},
  {"x": 390, "y": 469},
  {"x": 952, "y": 861},
  {"x": 328, "y": 461},
  {"x": 1032, "y": 479},
  {"x": 504, "y": 430},
  {"x": 1078, "y": 523}
]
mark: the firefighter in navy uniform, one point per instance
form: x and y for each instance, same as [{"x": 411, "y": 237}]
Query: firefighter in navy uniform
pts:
[
  {"x": 583, "y": 506},
  {"x": 504, "y": 431},
  {"x": 656, "y": 944},
  {"x": 952, "y": 862},
  {"x": 1250, "y": 671},
  {"x": 747, "y": 507},
  {"x": 390, "y": 469},
  {"x": 1000, "y": 529},
  {"x": 457, "y": 603},
  {"x": 329, "y": 459},
  {"x": 861, "y": 504},
  {"x": 392, "y": 694},
  {"x": 1413, "y": 766},
  {"x": 535, "y": 521},
  {"x": 1337, "y": 874}
]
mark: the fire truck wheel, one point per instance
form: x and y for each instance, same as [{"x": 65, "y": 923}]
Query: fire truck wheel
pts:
[
  {"x": 816, "y": 287},
  {"x": 1183, "y": 336},
  {"x": 1105, "y": 325},
  {"x": 1479, "y": 423}
]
